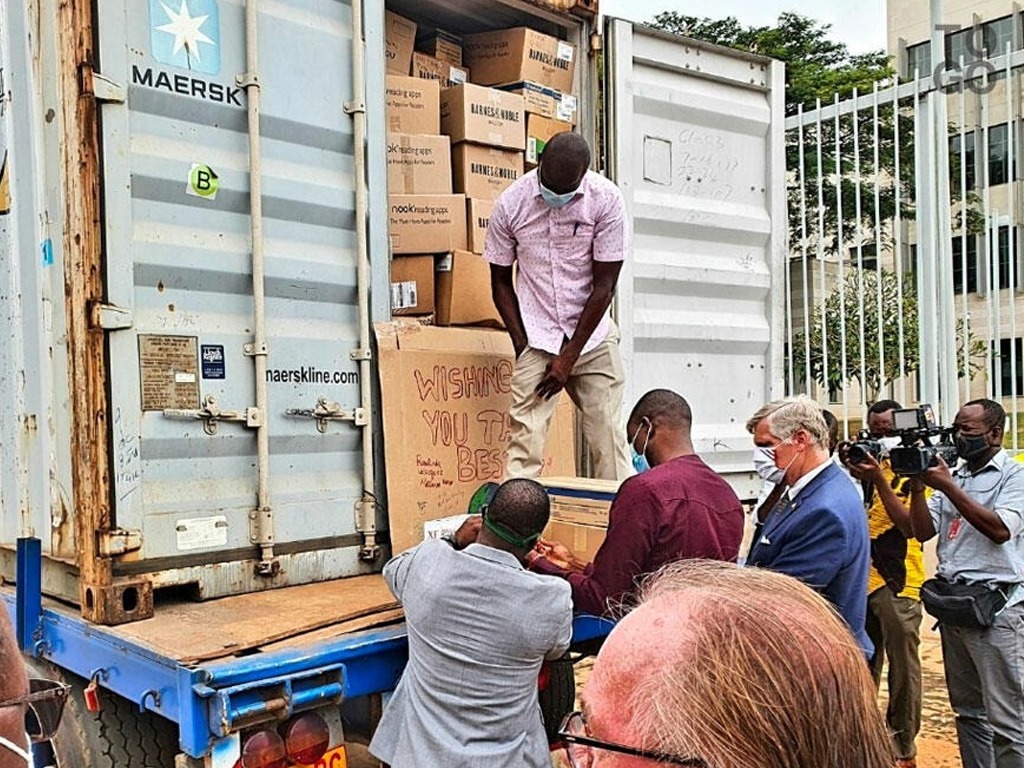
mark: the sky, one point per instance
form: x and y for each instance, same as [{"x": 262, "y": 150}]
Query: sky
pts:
[{"x": 860, "y": 24}]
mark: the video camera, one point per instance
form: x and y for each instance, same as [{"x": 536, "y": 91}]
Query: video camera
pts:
[
  {"x": 917, "y": 431},
  {"x": 921, "y": 441}
]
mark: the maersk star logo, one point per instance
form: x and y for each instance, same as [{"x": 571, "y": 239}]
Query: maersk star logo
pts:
[{"x": 186, "y": 34}]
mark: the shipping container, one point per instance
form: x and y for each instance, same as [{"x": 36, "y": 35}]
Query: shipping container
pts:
[{"x": 193, "y": 249}]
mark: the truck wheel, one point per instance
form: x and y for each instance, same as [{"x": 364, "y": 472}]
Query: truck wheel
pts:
[
  {"x": 118, "y": 736},
  {"x": 558, "y": 696}
]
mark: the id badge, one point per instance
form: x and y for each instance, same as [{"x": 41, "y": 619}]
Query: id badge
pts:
[{"x": 954, "y": 529}]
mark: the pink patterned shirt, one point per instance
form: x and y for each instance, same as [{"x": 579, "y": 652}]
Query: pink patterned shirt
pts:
[{"x": 555, "y": 249}]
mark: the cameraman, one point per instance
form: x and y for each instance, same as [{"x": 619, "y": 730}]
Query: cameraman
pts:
[
  {"x": 978, "y": 513},
  {"x": 894, "y": 582}
]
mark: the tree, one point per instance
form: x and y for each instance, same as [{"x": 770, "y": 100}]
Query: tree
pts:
[
  {"x": 816, "y": 67},
  {"x": 883, "y": 362}
]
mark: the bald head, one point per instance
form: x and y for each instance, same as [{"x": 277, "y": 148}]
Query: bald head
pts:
[
  {"x": 518, "y": 512},
  {"x": 738, "y": 667},
  {"x": 564, "y": 162}
]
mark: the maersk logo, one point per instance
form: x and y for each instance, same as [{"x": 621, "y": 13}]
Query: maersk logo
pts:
[{"x": 186, "y": 34}]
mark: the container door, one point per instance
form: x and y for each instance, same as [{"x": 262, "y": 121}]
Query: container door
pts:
[
  {"x": 695, "y": 142},
  {"x": 179, "y": 275}
]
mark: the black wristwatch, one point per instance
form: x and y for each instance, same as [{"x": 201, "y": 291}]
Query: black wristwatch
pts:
[{"x": 450, "y": 538}]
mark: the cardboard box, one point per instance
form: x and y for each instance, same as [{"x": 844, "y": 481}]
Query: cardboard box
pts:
[
  {"x": 484, "y": 172},
  {"x": 484, "y": 116},
  {"x": 521, "y": 53},
  {"x": 462, "y": 291},
  {"x": 413, "y": 105},
  {"x": 399, "y": 40},
  {"x": 582, "y": 540},
  {"x": 478, "y": 216},
  {"x": 544, "y": 101},
  {"x": 427, "y": 223},
  {"x": 412, "y": 285},
  {"x": 443, "y": 45},
  {"x": 581, "y": 500},
  {"x": 419, "y": 164},
  {"x": 538, "y": 131},
  {"x": 445, "y": 397},
  {"x": 429, "y": 68}
]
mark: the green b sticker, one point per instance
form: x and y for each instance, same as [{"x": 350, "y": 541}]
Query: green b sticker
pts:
[{"x": 202, "y": 182}]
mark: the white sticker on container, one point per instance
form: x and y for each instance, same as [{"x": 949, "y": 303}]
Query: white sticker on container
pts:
[
  {"x": 183, "y": 377},
  {"x": 445, "y": 526},
  {"x": 202, "y": 532},
  {"x": 564, "y": 51},
  {"x": 404, "y": 295},
  {"x": 443, "y": 263},
  {"x": 457, "y": 76},
  {"x": 566, "y": 109}
]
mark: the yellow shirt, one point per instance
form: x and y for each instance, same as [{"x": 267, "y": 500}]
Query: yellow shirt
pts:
[{"x": 879, "y": 522}]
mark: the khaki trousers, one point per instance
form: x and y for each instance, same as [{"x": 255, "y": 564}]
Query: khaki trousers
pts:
[
  {"x": 595, "y": 386},
  {"x": 894, "y": 626}
]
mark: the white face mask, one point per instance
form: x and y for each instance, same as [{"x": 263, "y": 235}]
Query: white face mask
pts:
[{"x": 764, "y": 465}]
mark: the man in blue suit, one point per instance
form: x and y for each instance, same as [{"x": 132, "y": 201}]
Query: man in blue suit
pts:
[{"x": 818, "y": 531}]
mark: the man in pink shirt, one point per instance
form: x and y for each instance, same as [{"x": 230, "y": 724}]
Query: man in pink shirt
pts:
[{"x": 565, "y": 227}]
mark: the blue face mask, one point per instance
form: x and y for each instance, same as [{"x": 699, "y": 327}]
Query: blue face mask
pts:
[
  {"x": 555, "y": 201},
  {"x": 640, "y": 463}
]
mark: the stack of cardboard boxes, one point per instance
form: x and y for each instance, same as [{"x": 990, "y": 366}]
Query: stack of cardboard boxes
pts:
[{"x": 454, "y": 145}]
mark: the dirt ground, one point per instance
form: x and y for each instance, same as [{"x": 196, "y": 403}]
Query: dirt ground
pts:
[{"x": 936, "y": 743}]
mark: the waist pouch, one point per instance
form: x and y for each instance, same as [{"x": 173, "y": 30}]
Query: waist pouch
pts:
[{"x": 962, "y": 605}]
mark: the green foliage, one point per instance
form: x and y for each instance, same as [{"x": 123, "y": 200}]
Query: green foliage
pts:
[
  {"x": 816, "y": 67},
  {"x": 883, "y": 362}
]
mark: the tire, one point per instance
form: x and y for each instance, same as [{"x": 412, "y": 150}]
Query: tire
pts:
[
  {"x": 558, "y": 697},
  {"x": 118, "y": 736}
]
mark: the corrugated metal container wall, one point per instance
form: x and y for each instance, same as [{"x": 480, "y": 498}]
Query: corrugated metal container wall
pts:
[
  {"x": 177, "y": 307},
  {"x": 696, "y": 145},
  {"x": 177, "y": 169}
]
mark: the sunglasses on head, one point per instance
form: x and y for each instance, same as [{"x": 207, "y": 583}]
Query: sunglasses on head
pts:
[{"x": 44, "y": 705}]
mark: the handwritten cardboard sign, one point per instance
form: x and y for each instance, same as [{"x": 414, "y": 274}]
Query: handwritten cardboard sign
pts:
[{"x": 446, "y": 393}]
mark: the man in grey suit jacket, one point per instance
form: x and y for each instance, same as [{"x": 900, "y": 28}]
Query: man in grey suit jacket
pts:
[{"x": 479, "y": 626}]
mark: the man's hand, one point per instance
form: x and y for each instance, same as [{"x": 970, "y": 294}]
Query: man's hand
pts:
[
  {"x": 938, "y": 475},
  {"x": 468, "y": 531},
  {"x": 559, "y": 555},
  {"x": 869, "y": 469},
  {"x": 555, "y": 376}
]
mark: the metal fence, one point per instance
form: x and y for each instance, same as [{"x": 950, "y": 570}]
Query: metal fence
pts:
[{"x": 904, "y": 276}]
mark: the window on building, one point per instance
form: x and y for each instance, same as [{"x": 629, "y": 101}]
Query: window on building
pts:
[
  {"x": 868, "y": 256},
  {"x": 972, "y": 264},
  {"x": 1005, "y": 259},
  {"x": 998, "y": 154},
  {"x": 919, "y": 60},
  {"x": 965, "y": 159},
  {"x": 963, "y": 46},
  {"x": 996, "y": 35},
  {"x": 1003, "y": 365}
]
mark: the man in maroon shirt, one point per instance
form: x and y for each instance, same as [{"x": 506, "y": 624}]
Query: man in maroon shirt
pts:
[{"x": 677, "y": 509}]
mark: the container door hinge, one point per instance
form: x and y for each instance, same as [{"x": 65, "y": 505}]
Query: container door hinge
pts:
[
  {"x": 111, "y": 317},
  {"x": 326, "y": 411},
  {"x": 106, "y": 90},
  {"x": 119, "y": 541},
  {"x": 212, "y": 415}
]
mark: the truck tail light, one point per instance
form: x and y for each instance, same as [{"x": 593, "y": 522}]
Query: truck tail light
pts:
[
  {"x": 264, "y": 749},
  {"x": 306, "y": 738}
]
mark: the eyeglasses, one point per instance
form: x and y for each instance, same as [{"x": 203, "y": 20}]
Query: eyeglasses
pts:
[
  {"x": 44, "y": 705},
  {"x": 580, "y": 746}
]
